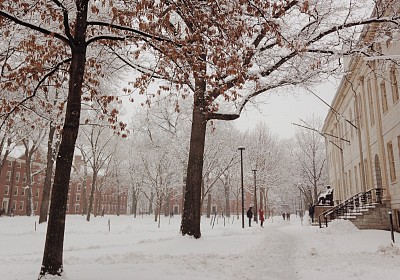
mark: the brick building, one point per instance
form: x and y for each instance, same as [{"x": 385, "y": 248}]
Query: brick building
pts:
[{"x": 13, "y": 194}]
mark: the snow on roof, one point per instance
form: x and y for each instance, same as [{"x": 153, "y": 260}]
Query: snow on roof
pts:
[{"x": 16, "y": 152}]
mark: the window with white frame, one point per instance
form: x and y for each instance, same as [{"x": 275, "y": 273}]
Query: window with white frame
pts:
[
  {"x": 17, "y": 176},
  {"x": 76, "y": 207},
  {"x": 6, "y": 190},
  {"x": 15, "y": 190},
  {"x": 78, "y": 197},
  {"x": 21, "y": 205},
  {"x": 23, "y": 191},
  {"x": 8, "y": 176}
]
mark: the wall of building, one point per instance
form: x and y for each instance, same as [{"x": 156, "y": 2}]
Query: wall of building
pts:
[{"x": 365, "y": 153}]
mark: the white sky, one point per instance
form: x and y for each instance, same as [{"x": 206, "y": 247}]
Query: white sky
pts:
[
  {"x": 279, "y": 111},
  {"x": 135, "y": 248}
]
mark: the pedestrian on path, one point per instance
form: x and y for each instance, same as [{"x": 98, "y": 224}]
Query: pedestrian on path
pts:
[
  {"x": 261, "y": 212},
  {"x": 250, "y": 215}
]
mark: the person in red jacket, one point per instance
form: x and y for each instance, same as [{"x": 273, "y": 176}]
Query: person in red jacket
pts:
[{"x": 261, "y": 212}]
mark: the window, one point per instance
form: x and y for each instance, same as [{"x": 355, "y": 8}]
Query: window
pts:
[
  {"x": 391, "y": 162},
  {"x": 371, "y": 102},
  {"x": 384, "y": 97},
  {"x": 21, "y": 205},
  {"x": 394, "y": 85},
  {"x": 6, "y": 190},
  {"x": 10, "y": 163},
  {"x": 35, "y": 206},
  {"x": 37, "y": 192},
  {"x": 67, "y": 207},
  {"x": 15, "y": 190},
  {"x": 76, "y": 207},
  {"x": 14, "y": 205},
  {"x": 24, "y": 180},
  {"x": 23, "y": 191},
  {"x": 17, "y": 176},
  {"x": 8, "y": 175},
  {"x": 78, "y": 197},
  {"x": 78, "y": 187},
  {"x": 18, "y": 164}
]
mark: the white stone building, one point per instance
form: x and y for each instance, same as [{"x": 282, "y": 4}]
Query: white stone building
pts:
[{"x": 363, "y": 128}]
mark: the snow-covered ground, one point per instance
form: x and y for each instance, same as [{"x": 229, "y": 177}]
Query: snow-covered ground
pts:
[{"x": 138, "y": 249}]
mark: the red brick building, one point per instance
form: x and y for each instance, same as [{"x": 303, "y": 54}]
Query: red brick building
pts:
[{"x": 13, "y": 195}]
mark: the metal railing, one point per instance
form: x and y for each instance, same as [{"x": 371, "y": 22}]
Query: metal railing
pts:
[{"x": 354, "y": 204}]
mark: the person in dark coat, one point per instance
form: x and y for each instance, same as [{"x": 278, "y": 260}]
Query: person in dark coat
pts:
[
  {"x": 283, "y": 215},
  {"x": 288, "y": 216},
  {"x": 250, "y": 215},
  {"x": 262, "y": 219},
  {"x": 311, "y": 211}
]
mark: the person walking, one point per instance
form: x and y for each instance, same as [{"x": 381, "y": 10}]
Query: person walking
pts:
[
  {"x": 311, "y": 212},
  {"x": 261, "y": 213},
  {"x": 250, "y": 215}
]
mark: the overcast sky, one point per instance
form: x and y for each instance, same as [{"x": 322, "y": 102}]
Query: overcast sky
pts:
[{"x": 279, "y": 111}]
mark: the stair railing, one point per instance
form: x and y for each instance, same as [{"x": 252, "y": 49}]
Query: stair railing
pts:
[{"x": 352, "y": 205}]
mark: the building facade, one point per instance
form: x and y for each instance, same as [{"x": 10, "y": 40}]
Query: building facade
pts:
[
  {"x": 363, "y": 128},
  {"x": 13, "y": 194}
]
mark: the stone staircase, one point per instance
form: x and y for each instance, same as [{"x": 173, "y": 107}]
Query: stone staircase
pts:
[
  {"x": 365, "y": 210},
  {"x": 374, "y": 216}
]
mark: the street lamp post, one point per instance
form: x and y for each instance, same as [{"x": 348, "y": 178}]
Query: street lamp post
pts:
[
  {"x": 241, "y": 174},
  {"x": 255, "y": 197}
]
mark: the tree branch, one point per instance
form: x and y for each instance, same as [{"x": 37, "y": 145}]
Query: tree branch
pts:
[
  {"x": 36, "y": 28},
  {"x": 7, "y": 115},
  {"x": 65, "y": 20}
]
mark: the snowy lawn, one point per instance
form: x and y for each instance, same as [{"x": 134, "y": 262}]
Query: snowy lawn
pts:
[{"x": 138, "y": 249}]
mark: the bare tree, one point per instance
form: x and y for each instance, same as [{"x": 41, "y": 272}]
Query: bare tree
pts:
[{"x": 311, "y": 159}]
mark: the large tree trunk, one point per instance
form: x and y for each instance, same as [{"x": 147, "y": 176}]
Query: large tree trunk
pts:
[
  {"x": 44, "y": 206},
  {"x": 191, "y": 211},
  {"x": 53, "y": 251}
]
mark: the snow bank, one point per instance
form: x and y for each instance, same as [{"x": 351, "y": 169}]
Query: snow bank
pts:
[{"x": 341, "y": 227}]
